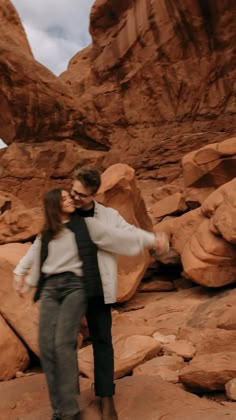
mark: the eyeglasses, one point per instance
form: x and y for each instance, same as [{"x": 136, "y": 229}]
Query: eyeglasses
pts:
[{"x": 75, "y": 193}]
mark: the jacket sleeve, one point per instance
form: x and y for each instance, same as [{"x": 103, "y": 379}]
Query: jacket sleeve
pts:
[
  {"x": 120, "y": 222},
  {"x": 31, "y": 260},
  {"x": 117, "y": 240}
]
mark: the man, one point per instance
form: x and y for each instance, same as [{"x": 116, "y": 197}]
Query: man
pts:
[
  {"x": 102, "y": 291},
  {"x": 85, "y": 185}
]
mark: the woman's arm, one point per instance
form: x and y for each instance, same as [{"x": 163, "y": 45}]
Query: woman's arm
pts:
[
  {"x": 31, "y": 260},
  {"x": 26, "y": 262}
]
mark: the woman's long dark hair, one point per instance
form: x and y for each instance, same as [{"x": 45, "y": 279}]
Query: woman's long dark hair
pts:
[{"x": 52, "y": 213}]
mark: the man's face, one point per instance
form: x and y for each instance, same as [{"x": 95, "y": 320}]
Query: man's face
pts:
[{"x": 83, "y": 196}]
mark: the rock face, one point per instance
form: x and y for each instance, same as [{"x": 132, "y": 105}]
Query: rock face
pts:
[
  {"x": 46, "y": 165},
  {"x": 129, "y": 351},
  {"x": 20, "y": 313},
  {"x": 14, "y": 356},
  {"x": 209, "y": 255},
  {"x": 156, "y": 82},
  {"x": 153, "y": 64},
  {"x": 137, "y": 397},
  {"x": 212, "y": 165},
  {"x": 35, "y": 106},
  {"x": 120, "y": 191}
]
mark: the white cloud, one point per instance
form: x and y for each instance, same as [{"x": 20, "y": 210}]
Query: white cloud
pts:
[{"x": 56, "y": 29}]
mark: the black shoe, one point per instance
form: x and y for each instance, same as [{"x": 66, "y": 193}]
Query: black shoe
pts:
[
  {"x": 56, "y": 416},
  {"x": 108, "y": 409},
  {"x": 74, "y": 417}
]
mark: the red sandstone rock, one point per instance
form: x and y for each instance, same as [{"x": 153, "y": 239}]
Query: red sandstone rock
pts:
[
  {"x": 173, "y": 204},
  {"x": 209, "y": 371},
  {"x": 151, "y": 65},
  {"x": 166, "y": 367},
  {"x": 20, "y": 225},
  {"x": 120, "y": 190},
  {"x": 212, "y": 165},
  {"x": 43, "y": 166},
  {"x": 13, "y": 354},
  {"x": 129, "y": 351},
  {"x": 221, "y": 207},
  {"x": 20, "y": 312}
]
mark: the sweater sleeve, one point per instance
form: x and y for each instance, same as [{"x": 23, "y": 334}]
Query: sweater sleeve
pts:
[
  {"x": 31, "y": 261},
  {"x": 117, "y": 240},
  {"x": 26, "y": 262}
]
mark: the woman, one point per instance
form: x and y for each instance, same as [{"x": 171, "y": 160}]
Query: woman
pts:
[
  {"x": 65, "y": 273},
  {"x": 63, "y": 303}
]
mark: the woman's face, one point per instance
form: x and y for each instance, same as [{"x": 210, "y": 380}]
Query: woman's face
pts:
[{"x": 67, "y": 203}]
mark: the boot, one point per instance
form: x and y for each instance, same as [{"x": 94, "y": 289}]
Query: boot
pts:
[
  {"x": 74, "y": 417},
  {"x": 56, "y": 416},
  {"x": 108, "y": 409}
]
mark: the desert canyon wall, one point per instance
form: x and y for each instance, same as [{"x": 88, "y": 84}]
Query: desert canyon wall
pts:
[
  {"x": 157, "y": 81},
  {"x": 151, "y": 103}
]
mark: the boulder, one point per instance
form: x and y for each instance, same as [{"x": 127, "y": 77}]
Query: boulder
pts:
[
  {"x": 129, "y": 351},
  {"x": 20, "y": 225},
  {"x": 166, "y": 367},
  {"x": 173, "y": 204},
  {"x": 209, "y": 372},
  {"x": 13, "y": 354},
  {"x": 54, "y": 162},
  {"x": 220, "y": 206},
  {"x": 120, "y": 190},
  {"x": 19, "y": 312},
  {"x": 212, "y": 165},
  {"x": 230, "y": 389},
  {"x": 209, "y": 259}
]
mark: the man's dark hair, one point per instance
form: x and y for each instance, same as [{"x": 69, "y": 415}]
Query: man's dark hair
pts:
[{"x": 89, "y": 177}]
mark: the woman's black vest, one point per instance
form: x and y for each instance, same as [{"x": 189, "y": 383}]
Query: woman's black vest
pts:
[{"x": 87, "y": 252}]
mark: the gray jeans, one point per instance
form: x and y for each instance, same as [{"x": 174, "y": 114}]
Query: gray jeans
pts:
[{"x": 63, "y": 304}]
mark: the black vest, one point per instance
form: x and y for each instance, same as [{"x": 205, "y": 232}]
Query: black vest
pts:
[{"x": 87, "y": 252}]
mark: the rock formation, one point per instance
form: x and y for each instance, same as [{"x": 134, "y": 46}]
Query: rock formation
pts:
[
  {"x": 158, "y": 78},
  {"x": 156, "y": 82},
  {"x": 155, "y": 86}
]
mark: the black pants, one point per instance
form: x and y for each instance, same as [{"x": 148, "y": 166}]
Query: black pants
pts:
[{"x": 99, "y": 323}]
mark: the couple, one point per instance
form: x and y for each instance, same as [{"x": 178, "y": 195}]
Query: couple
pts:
[{"x": 74, "y": 269}]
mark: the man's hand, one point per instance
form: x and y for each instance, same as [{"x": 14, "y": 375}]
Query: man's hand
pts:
[
  {"x": 18, "y": 282},
  {"x": 161, "y": 245}
]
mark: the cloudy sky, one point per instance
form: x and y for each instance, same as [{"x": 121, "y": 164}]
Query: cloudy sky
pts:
[{"x": 56, "y": 29}]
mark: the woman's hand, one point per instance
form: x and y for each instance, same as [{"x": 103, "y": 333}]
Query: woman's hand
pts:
[
  {"x": 20, "y": 286},
  {"x": 162, "y": 244},
  {"x": 18, "y": 283}
]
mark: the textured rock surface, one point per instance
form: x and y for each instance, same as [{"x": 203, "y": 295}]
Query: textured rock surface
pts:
[
  {"x": 136, "y": 398},
  {"x": 208, "y": 372},
  {"x": 20, "y": 313},
  {"x": 209, "y": 255},
  {"x": 212, "y": 165},
  {"x": 30, "y": 170},
  {"x": 13, "y": 354},
  {"x": 221, "y": 207},
  {"x": 129, "y": 351},
  {"x": 20, "y": 225},
  {"x": 120, "y": 190},
  {"x": 166, "y": 367},
  {"x": 154, "y": 64},
  {"x": 156, "y": 82},
  {"x": 35, "y": 105}
]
